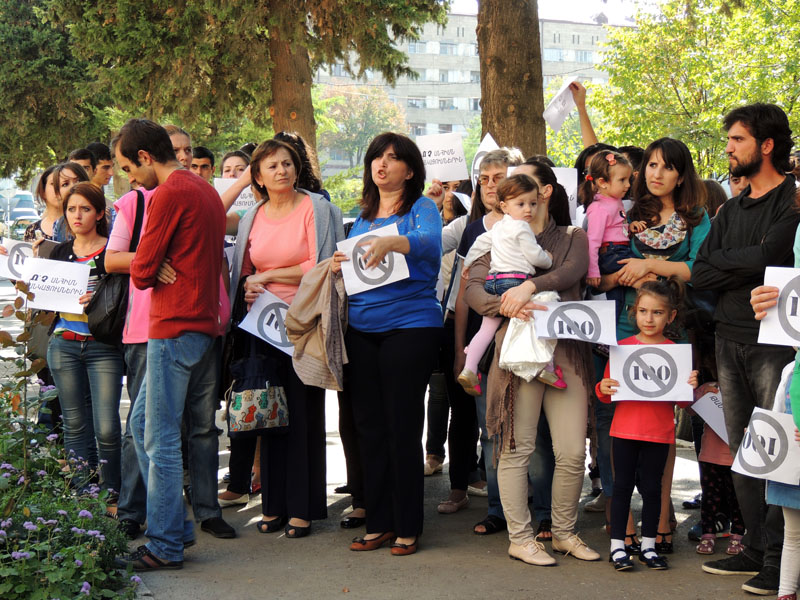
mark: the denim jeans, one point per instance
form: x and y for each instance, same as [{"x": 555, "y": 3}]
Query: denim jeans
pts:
[
  {"x": 608, "y": 262},
  {"x": 132, "y": 495},
  {"x": 498, "y": 287},
  {"x": 487, "y": 450},
  {"x": 181, "y": 373},
  {"x": 748, "y": 377},
  {"x": 88, "y": 376}
]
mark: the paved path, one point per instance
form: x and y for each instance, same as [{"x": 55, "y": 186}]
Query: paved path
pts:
[{"x": 452, "y": 562}]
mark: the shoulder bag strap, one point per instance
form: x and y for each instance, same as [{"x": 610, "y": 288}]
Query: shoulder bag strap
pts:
[{"x": 137, "y": 224}]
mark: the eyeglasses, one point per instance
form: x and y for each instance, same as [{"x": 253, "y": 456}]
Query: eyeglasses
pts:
[{"x": 484, "y": 179}]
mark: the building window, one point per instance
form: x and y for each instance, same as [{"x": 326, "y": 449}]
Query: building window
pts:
[
  {"x": 474, "y": 76},
  {"x": 416, "y": 103},
  {"x": 338, "y": 71},
  {"x": 448, "y": 49},
  {"x": 445, "y": 128},
  {"x": 475, "y": 104},
  {"x": 576, "y": 39},
  {"x": 583, "y": 56},
  {"x": 446, "y": 104},
  {"x": 556, "y": 38},
  {"x": 431, "y": 74},
  {"x": 474, "y": 49},
  {"x": 339, "y": 155},
  {"x": 553, "y": 55},
  {"x": 416, "y": 47},
  {"x": 417, "y": 128}
]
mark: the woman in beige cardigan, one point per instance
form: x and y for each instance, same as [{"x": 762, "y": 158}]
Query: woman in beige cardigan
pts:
[{"x": 513, "y": 406}]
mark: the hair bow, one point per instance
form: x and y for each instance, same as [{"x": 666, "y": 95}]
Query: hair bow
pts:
[
  {"x": 611, "y": 159},
  {"x": 589, "y": 178}
]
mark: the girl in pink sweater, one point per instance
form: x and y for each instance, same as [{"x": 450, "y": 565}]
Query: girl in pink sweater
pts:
[{"x": 606, "y": 184}]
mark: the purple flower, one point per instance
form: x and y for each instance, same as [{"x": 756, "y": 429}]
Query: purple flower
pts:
[
  {"x": 7, "y": 467},
  {"x": 85, "y": 514},
  {"x": 57, "y": 530},
  {"x": 29, "y": 526},
  {"x": 2, "y": 533},
  {"x": 62, "y": 512},
  {"x": 86, "y": 588},
  {"x": 52, "y": 437},
  {"x": 21, "y": 480},
  {"x": 6, "y": 523},
  {"x": 6, "y": 475},
  {"x": 20, "y": 555},
  {"x": 77, "y": 530},
  {"x": 136, "y": 579},
  {"x": 41, "y": 473},
  {"x": 78, "y": 563}
]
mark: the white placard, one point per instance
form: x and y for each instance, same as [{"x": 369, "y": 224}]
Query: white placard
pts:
[
  {"x": 560, "y": 106},
  {"x": 568, "y": 177},
  {"x": 781, "y": 326},
  {"x": 11, "y": 265},
  {"x": 266, "y": 319},
  {"x": 357, "y": 278},
  {"x": 57, "y": 285},
  {"x": 443, "y": 155},
  {"x": 709, "y": 407},
  {"x": 246, "y": 199},
  {"x": 487, "y": 145},
  {"x": 657, "y": 372},
  {"x": 593, "y": 322},
  {"x": 768, "y": 449}
]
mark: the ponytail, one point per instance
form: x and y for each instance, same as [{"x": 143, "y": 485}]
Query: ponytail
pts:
[{"x": 672, "y": 291}]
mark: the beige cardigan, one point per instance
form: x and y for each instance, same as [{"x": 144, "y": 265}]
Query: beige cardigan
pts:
[{"x": 315, "y": 324}]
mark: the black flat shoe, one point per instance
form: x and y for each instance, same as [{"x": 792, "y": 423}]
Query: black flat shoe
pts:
[
  {"x": 271, "y": 526},
  {"x": 620, "y": 560},
  {"x": 664, "y": 547},
  {"x": 634, "y": 547},
  {"x": 352, "y": 522},
  {"x": 657, "y": 563},
  {"x": 296, "y": 531}
]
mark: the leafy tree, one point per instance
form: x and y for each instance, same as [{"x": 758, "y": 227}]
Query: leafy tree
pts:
[
  {"x": 683, "y": 68},
  {"x": 50, "y": 102},
  {"x": 359, "y": 113},
  {"x": 204, "y": 57}
]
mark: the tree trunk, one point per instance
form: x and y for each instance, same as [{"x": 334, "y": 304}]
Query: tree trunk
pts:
[
  {"x": 512, "y": 100},
  {"x": 292, "y": 109}
]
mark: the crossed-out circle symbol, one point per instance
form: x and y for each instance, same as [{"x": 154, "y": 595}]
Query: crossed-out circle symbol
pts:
[
  {"x": 278, "y": 309},
  {"x": 384, "y": 268},
  {"x": 783, "y": 301},
  {"x": 770, "y": 464},
  {"x": 638, "y": 358},
  {"x": 561, "y": 313},
  {"x": 25, "y": 250}
]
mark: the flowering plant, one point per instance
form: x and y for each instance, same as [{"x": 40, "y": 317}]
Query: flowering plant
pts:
[{"x": 55, "y": 540}]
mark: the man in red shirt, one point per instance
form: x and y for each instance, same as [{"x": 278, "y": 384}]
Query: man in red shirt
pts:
[{"x": 186, "y": 226}]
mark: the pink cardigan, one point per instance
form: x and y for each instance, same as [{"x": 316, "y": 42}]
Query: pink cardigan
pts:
[{"x": 606, "y": 223}]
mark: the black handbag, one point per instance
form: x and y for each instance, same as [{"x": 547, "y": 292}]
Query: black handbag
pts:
[{"x": 108, "y": 307}]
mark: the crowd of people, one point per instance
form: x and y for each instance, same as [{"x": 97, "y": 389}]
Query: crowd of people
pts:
[{"x": 682, "y": 265}]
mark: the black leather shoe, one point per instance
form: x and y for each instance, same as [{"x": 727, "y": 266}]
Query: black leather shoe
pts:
[
  {"x": 217, "y": 527},
  {"x": 656, "y": 562},
  {"x": 620, "y": 560},
  {"x": 352, "y": 522}
]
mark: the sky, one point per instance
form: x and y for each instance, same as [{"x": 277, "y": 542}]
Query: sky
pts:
[{"x": 619, "y": 12}]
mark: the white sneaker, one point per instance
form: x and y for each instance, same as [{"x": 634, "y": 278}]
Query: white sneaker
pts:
[
  {"x": 531, "y": 552},
  {"x": 596, "y": 505},
  {"x": 575, "y": 546}
]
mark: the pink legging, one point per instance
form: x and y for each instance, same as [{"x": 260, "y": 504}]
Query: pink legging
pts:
[{"x": 480, "y": 342}]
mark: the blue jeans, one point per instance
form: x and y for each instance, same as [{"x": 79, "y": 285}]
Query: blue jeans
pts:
[
  {"x": 181, "y": 373},
  {"x": 487, "y": 450},
  {"x": 498, "y": 287},
  {"x": 132, "y": 494},
  {"x": 88, "y": 376}
]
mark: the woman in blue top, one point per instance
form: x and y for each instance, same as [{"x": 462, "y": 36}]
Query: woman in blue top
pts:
[
  {"x": 393, "y": 340},
  {"x": 669, "y": 198}
]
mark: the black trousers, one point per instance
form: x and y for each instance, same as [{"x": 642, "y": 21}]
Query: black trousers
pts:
[
  {"x": 243, "y": 451},
  {"x": 462, "y": 439},
  {"x": 389, "y": 375},
  {"x": 637, "y": 464},
  {"x": 349, "y": 437},
  {"x": 293, "y": 463}
]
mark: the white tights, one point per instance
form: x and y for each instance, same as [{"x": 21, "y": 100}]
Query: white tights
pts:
[{"x": 790, "y": 558}]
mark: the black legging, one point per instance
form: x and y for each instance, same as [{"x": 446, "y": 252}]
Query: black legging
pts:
[
  {"x": 639, "y": 464},
  {"x": 389, "y": 373}
]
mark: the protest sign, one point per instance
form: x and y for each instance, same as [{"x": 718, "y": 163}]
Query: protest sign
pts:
[
  {"x": 266, "y": 319},
  {"x": 246, "y": 199},
  {"x": 768, "y": 449},
  {"x": 443, "y": 155},
  {"x": 781, "y": 326},
  {"x": 56, "y": 285},
  {"x": 568, "y": 177},
  {"x": 18, "y": 252},
  {"x": 593, "y": 322},
  {"x": 560, "y": 106},
  {"x": 357, "y": 278},
  {"x": 709, "y": 408},
  {"x": 652, "y": 372},
  {"x": 487, "y": 145}
]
